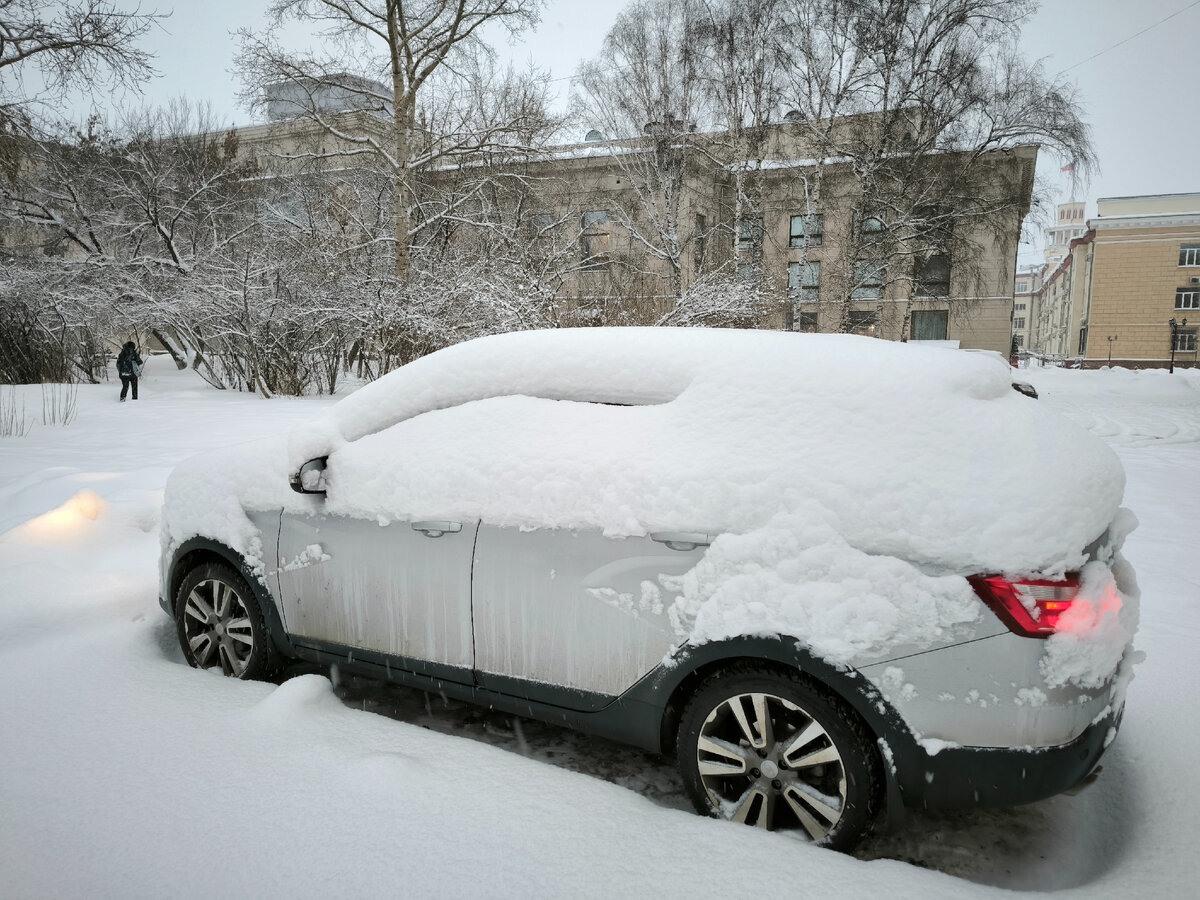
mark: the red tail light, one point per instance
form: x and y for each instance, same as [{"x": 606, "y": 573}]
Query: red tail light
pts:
[{"x": 1030, "y": 608}]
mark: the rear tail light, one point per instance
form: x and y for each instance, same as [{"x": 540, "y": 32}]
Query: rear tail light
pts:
[{"x": 1030, "y": 608}]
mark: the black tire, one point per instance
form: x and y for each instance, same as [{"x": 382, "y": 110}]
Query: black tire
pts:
[
  {"x": 815, "y": 772},
  {"x": 219, "y": 623}
]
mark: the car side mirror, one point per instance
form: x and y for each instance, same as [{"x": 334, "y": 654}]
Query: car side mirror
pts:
[{"x": 310, "y": 479}]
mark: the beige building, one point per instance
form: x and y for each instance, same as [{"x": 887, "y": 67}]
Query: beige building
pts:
[
  {"x": 797, "y": 246},
  {"x": 1145, "y": 272},
  {"x": 1026, "y": 290},
  {"x": 1058, "y": 320},
  {"x": 1068, "y": 224},
  {"x": 589, "y": 217},
  {"x": 1114, "y": 294}
]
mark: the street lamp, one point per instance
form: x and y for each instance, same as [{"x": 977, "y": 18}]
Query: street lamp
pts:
[
  {"x": 1111, "y": 338},
  {"x": 1175, "y": 326}
]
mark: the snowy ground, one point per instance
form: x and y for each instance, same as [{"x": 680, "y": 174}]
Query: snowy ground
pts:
[{"x": 124, "y": 773}]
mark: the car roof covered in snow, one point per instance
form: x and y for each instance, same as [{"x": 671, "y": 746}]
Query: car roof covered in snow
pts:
[{"x": 907, "y": 450}]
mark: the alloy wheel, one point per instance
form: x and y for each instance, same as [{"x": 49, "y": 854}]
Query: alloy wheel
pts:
[
  {"x": 765, "y": 761},
  {"x": 216, "y": 626}
]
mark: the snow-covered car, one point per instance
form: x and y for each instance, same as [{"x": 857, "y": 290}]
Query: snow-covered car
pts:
[{"x": 831, "y": 575}]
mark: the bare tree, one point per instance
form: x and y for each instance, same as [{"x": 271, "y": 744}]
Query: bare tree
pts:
[
  {"x": 717, "y": 300},
  {"x": 261, "y": 279},
  {"x": 917, "y": 105},
  {"x": 642, "y": 94},
  {"x": 47, "y": 50},
  {"x": 739, "y": 44},
  {"x": 394, "y": 53}
]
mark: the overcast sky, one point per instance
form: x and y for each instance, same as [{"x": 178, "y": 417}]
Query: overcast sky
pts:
[{"x": 1140, "y": 96}]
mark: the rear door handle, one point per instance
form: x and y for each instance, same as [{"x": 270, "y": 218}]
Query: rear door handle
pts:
[
  {"x": 683, "y": 540},
  {"x": 437, "y": 529}
]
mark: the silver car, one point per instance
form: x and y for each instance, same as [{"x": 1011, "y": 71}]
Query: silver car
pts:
[{"x": 556, "y": 623}]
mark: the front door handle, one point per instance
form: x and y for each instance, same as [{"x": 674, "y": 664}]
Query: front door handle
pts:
[
  {"x": 683, "y": 540},
  {"x": 437, "y": 529}
]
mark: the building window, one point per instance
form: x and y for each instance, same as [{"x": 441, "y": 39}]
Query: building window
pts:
[
  {"x": 1187, "y": 298},
  {"x": 1018, "y": 341},
  {"x": 870, "y": 227},
  {"x": 1185, "y": 341},
  {"x": 595, "y": 240},
  {"x": 863, "y": 321},
  {"x": 1019, "y": 322},
  {"x": 804, "y": 281},
  {"x": 932, "y": 276},
  {"x": 868, "y": 280},
  {"x": 1189, "y": 254},
  {"x": 749, "y": 234},
  {"x": 807, "y": 231},
  {"x": 930, "y": 324},
  {"x": 747, "y": 272},
  {"x": 541, "y": 223},
  {"x": 807, "y": 322},
  {"x": 1019, "y": 306}
]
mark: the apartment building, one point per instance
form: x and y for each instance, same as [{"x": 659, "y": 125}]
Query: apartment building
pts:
[
  {"x": 1026, "y": 292},
  {"x": 1058, "y": 324},
  {"x": 1145, "y": 272},
  {"x": 804, "y": 243},
  {"x": 1114, "y": 294}
]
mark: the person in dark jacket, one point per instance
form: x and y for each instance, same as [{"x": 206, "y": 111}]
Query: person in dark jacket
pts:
[{"x": 129, "y": 367}]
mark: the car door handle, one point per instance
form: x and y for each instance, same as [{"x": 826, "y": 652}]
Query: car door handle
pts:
[
  {"x": 437, "y": 529},
  {"x": 683, "y": 540}
]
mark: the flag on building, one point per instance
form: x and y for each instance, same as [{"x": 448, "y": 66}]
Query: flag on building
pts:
[{"x": 1069, "y": 167}]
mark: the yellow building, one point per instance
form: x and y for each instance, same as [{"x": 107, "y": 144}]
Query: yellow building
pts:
[
  {"x": 1144, "y": 272},
  {"x": 1114, "y": 293}
]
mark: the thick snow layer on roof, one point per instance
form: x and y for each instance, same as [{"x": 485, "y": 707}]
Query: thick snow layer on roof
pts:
[{"x": 919, "y": 453}]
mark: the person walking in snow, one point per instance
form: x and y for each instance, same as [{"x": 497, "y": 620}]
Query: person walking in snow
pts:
[{"x": 129, "y": 367}]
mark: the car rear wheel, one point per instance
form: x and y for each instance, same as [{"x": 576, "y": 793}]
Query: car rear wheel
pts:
[
  {"x": 219, "y": 624},
  {"x": 771, "y": 749}
]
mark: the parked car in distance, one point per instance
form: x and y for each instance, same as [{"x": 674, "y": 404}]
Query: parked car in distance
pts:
[{"x": 826, "y": 593}]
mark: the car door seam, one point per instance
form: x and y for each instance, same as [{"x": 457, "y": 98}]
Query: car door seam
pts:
[{"x": 471, "y": 605}]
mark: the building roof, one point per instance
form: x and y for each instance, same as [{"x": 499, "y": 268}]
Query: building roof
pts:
[{"x": 1148, "y": 205}]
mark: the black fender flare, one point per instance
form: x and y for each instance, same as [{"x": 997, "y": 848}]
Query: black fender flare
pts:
[
  {"x": 197, "y": 550},
  {"x": 671, "y": 683}
]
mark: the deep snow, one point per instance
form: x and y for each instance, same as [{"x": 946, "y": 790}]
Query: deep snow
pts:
[{"x": 125, "y": 773}]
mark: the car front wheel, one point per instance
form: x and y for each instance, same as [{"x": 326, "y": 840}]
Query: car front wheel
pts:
[
  {"x": 219, "y": 624},
  {"x": 773, "y": 750}
]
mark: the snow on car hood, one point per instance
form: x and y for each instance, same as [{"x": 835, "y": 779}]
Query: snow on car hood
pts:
[{"x": 881, "y": 451}]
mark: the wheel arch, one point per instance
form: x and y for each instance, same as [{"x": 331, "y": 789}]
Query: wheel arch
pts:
[
  {"x": 696, "y": 663},
  {"x": 893, "y": 738},
  {"x": 198, "y": 551}
]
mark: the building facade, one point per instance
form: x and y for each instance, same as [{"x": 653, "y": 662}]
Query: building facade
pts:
[
  {"x": 1026, "y": 291},
  {"x": 807, "y": 244},
  {"x": 1069, "y": 223},
  {"x": 1114, "y": 294},
  {"x": 1145, "y": 272}
]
